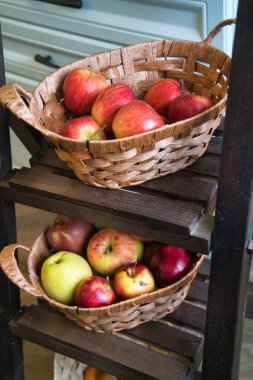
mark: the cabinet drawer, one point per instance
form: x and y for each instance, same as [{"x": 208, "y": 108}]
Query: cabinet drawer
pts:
[
  {"x": 118, "y": 21},
  {"x": 22, "y": 42}
]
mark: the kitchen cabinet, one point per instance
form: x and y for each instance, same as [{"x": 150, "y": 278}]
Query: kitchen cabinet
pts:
[{"x": 173, "y": 348}]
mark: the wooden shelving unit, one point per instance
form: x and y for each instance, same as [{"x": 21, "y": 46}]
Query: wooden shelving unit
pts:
[{"x": 177, "y": 209}]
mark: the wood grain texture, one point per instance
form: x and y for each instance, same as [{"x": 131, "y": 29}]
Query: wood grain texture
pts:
[
  {"x": 233, "y": 223},
  {"x": 11, "y": 363}
]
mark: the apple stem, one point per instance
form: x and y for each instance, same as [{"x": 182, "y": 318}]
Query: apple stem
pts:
[{"x": 108, "y": 249}]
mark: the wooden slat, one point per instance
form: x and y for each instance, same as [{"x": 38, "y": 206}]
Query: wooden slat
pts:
[
  {"x": 199, "y": 240},
  {"x": 198, "y": 291},
  {"x": 174, "y": 215},
  {"x": 168, "y": 337},
  {"x": 190, "y": 315},
  {"x": 233, "y": 223},
  {"x": 11, "y": 349},
  {"x": 27, "y": 135},
  {"x": 208, "y": 165},
  {"x": 110, "y": 352},
  {"x": 184, "y": 188},
  {"x": 215, "y": 145},
  {"x": 173, "y": 186}
]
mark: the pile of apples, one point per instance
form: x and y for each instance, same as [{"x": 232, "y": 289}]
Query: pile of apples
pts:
[
  {"x": 94, "y": 267},
  {"x": 107, "y": 111}
]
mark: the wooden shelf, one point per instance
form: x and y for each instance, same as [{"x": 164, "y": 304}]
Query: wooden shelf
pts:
[{"x": 172, "y": 209}]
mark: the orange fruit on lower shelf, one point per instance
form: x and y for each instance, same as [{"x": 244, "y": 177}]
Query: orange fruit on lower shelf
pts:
[{"x": 92, "y": 373}]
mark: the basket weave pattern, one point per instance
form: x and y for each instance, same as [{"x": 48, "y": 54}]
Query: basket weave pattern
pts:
[
  {"x": 121, "y": 315},
  {"x": 136, "y": 159}
]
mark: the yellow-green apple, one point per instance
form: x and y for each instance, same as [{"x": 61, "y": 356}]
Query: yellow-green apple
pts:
[
  {"x": 61, "y": 273},
  {"x": 161, "y": 94},
  {"x": 133, "y": 280},
  {"x": 185, "y": 106},
  {"x": 83, "y": 128},
  {"x": 169, "y": 263},
  {"x": 109, "y": 102},
  {"x": 109, "y": 249},
  {"x": 134, "y": 118},
  {"x": 68, "y": 234},
  {"x": 96, "y": 291},
  {"x": 81, "y": 86}
]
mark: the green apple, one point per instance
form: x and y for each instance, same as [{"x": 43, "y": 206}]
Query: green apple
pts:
[{"x": 61, "y": 273}]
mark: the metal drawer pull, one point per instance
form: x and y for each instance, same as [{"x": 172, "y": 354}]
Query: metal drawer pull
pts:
[
  {"x": 65, "y": 3},
  {"x": 46, "y": 60}
]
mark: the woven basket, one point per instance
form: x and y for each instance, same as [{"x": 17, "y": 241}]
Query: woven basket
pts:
[
  {"x": 133, "y": 160},
  {"x": 121, "y": 315}
]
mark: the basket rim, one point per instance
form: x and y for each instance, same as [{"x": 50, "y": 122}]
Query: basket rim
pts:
[{"x": 117, "y": 306}]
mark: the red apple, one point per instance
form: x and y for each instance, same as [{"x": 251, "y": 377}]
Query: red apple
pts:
[
  {"x": 108, "y": 250},
  {"x": 162, "y": 94},
  {"x": 67, "y": 234},
  {"x": 133, "y": 280},
  {"x": 169, "y": 263},
  {"x": 81, "y": 86},
  {"x": 83, "y": 128},
  {"x": 149, "y": 251},
  {"x": 186, "y": 106},
  {"x": 135, "y": 117},
  {"x": 94, "y": 292},
  {"x": 109, "y": 102}
]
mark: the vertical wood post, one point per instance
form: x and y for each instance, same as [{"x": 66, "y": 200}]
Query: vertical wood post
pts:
[
  {"x": 233, "y": 223},
  {"x": 11, "y": 352}
]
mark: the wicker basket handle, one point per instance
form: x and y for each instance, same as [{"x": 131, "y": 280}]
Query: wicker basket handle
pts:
[
  {"x": 9, "y": 265},
  {"x": 217, "y": 29},
  {"x": 11, "y": 97}
]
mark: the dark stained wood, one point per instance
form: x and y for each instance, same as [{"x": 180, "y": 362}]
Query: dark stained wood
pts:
[
  {"x": 198, "y": 291},
  {"x": 11, "y": 359},
  {"x": 169, "y": 337},
  {"x": 208, "y": 165},
  {"x": 215, "y": 145},
  {"x": 173, "y": 215},
  {"x": 173, "y": 186},
  {"x": 199, "y": 240},
  {"x": 189, "y": 314},
  {"x": 26, "y": 135},
  {"x": 233, "y": 223},
  {"x": 107, "y": 351}
]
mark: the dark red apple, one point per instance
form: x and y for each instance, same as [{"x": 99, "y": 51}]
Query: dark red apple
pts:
[
  {"x": 186, "y": 106},
  {"x": 67, "y": 234},
  {"x": 81, "y": 86},
  {"x": 135, "y": 117},
  {"x": 133, "y": 280},
  {"x": 149, "y": 251},
  {"x": 109, "y": 102},
  {"x": 94, "y": 292},
  {"x": 161, "y": 94},
  {"x": 169, "y": 263},
  {"x": 83, "y": 128}
]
